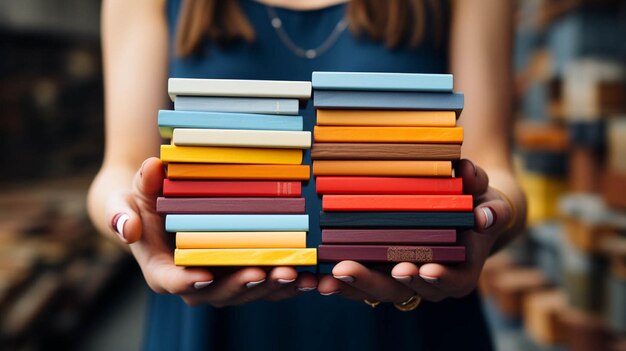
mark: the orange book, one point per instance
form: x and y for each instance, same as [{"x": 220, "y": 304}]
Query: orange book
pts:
[
  {"x": 434, "y": 135},
  {"x": 212, "y": 154},
  {"x": 383, "y": 168},
  {"x": 386, "y": 118},
  {"x": 233, "y": 171},
  {"x": 397, "y": 202},
  {"x": 240, "y": 240}
]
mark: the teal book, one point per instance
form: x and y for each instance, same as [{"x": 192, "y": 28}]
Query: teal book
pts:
[
  {"x": 235, "y": 222},
  {"x": 440, "y": 83}
]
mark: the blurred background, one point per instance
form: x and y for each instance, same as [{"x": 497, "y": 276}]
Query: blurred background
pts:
[{"x": 561, "y": 287}]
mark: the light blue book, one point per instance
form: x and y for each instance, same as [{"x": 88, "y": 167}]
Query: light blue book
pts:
[
  {"x": 235, "y": 222},
  {"x": 382, "y": 81},
  {"x": 274, "y": 106},
  {"x": 168, "y": 120}
]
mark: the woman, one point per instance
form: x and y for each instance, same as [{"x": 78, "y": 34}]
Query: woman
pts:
[{"x": 147, "y": 41}]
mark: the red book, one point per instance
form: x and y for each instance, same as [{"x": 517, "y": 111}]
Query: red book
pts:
[
  {"x": 389, "y": 185},
  {"x": 376, "y": 253},
  {"x": 231, "y": 188},
  {"x": 381, "y": 203},
  {"x": 239, "y": 205},
  {"x": 389, "y": 236}
]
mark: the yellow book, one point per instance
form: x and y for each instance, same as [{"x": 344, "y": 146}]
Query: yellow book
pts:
[
  {"x": 201, "y": 154},
  {"x": 245, "y": 257},
  {"x": 386, "y": 118},
  {"x": 431, "y": 135},
  {"x": 240, "y": 240}
]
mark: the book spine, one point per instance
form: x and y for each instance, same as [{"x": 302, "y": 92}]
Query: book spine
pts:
[
  {"x": 381, "y": 220},
  {"x": 240, "y": 240},
  {"x": 441, "y": 83},
  {"x": 434, "y": 135},
  {"x": 241, "y": 205},
  {"x": 380, "y": 253},
  {"x": 381, "y": 151},
  {"x": 238, "y": 172},
  {"x": 238, "y": 87},
  {"x": 389, "y": 185},
  {"x": 237, "y": 104},
  {"x": 389, "y": 236},
  {"x": 200, "y": 154},
  {"x": 390, "y": 203},
  {"x": 235, "y": 222},
  {"x": 245, "y": 257},
  {"x": 383, "y": 168},
  {"x": 382, "y": 118},
  {"x": 180, "y": 188},
  {"x": 242, "y": 138}
]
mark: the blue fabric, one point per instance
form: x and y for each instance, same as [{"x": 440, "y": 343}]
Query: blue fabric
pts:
[{"x": 311, "y": 321}]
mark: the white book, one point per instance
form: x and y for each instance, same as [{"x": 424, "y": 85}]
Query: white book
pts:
[
  {"x": 242, "y": 138},
  {"x": 239, "y": 88}
]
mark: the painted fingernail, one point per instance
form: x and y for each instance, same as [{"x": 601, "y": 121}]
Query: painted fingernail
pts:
[
  {"x": 403, "y": 278},
  {"x": 253, "y": 284},
  {"x": 345, "y": 278},
  {"x": 306, "y": 289},
  {"x": 200, "y": 285},
  {"x": 429, "y": 279},
  {"x": 329, "y": 293},
  {"x": 490, "y": 216},
  {"x": 117, "y": 223},
  {"x": 285, "y": 281}
]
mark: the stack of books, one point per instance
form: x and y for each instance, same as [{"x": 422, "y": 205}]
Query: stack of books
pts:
[
  {"x": 233, "y": 193},
  {"x": 383, "y": 161}
]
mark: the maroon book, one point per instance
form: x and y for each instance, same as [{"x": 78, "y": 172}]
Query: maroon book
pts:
[
  {"x": 381, "y": 253},
  {"x": 389, "y": 236},
  {"x": 243, "y": 205}
]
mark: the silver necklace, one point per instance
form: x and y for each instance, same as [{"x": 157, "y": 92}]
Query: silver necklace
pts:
[{"x": 277, "y": 24}]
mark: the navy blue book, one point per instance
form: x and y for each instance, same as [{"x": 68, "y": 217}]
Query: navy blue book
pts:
[
  {"x": 388, "y": 100},
  {"x": 376, "y": 220}
]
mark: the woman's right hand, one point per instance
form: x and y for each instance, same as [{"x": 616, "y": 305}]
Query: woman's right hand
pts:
[{"x": 134, "y": 219}]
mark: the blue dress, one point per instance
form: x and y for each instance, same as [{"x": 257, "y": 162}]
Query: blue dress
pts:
[{"x": 310, "y": 321}]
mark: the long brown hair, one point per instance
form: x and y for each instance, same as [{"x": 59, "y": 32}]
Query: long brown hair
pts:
[{"x": 391, "y": 21}]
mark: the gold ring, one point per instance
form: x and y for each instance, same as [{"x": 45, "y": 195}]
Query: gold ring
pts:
[
  {"x": 372, "y": 304},
  {"x": 410, "y": 304}
]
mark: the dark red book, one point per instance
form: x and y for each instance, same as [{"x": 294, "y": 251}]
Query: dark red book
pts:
[
  {"x": 231, "y": 188},
  {"x": 240, "y": 205},
  {"x": 397, "y": 203},
  {"x": 389, "y": 236},
  {"x": 389, "y": 185},
  {"x": 380, "y": 253}
]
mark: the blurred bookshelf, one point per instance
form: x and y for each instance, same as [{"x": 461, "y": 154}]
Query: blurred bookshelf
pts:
[{"x": 563, "y": 285}]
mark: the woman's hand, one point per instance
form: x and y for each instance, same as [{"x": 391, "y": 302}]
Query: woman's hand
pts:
[
  {"x": 134, "y": 219},
  {"x": 431, "y": 281}
]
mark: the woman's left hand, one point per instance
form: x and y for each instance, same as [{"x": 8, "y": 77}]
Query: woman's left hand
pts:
[{"x": 432, "y": 281}]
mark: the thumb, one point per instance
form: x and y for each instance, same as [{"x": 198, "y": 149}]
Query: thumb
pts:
[
  {"x": 475, "y": 179},
  {"x": 124, "y": 219},
  {"x": 148, "y": 182}
]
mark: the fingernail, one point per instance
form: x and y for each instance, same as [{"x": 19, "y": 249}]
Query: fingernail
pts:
[
  {"x": 490, "y": 216},
  {"x": 429, "y": 279},
  {"x": 200, "y": 285},
  {"x": 285, "y": 281},
  {"x": 253, "y": 284},
  {"x": 329, "y": 293},
  {"x": 403, "y": 278},
  {"x": 306, "y": 289},
  {"x": 345, "y": 278},
  {"x": 117, "y": 223}
]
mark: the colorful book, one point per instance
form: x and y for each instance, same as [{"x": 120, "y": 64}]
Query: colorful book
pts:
[
  {"x": 236, "y": 222},
  {"x": 389, "y": 185},
  {"x": 389, "y": 236},
  {"x": 380, "y": 220},
  {"x": 386, "y": 118},
  {"x": 242, "y": 138},
  {"x": 245, "y": 257},
  {"x": 238, "y": 87},
  {"x": 231, "y": 188},
  {"x": 168, "y": 120},
  {"x": 236, "y": 172},
  {"x": 383, "y": 168},
  {"x": 441, "y": 83},
  {"x": 388, "y": 100},
  {"x": 210, "y": 154},
  {"x": 381, "y": 151},
  {"x": 382, "y": 253},
  {"x": 382, "y": 203},
  {"x": 240, "y": 240},
  {"x": 273, "y": 106},
  {"x": 241, "y": 205},
  {"x": 436, "y": 135}
]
